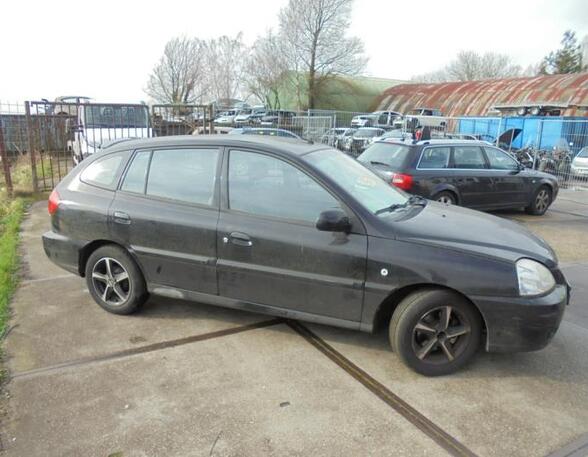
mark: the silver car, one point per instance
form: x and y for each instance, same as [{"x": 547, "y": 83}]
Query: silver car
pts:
[{"x": 579, "y": 166}]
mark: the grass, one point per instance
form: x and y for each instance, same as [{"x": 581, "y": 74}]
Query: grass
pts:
[{"x": 11, "y": 214}]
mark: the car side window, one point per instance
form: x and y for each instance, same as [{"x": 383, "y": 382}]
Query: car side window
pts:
[
  {"x": 435, "y": 158},
  {"x": 136, "y": 176},
  {"x": 267, "y": 186},
  {"x": 499, "y": 160},
  {"x": 186, "y": 175},
  {"x": 468, "y": 157},
  {"x": 103, "y": 172}
]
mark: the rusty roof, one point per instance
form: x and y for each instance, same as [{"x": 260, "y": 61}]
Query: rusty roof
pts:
[{"x": 480, "y": 98}]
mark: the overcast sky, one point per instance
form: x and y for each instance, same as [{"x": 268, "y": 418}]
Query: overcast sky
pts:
[{"x": 105, "y": 49}]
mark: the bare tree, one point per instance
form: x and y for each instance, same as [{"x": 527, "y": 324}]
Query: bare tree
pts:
[
  {"x": 313, "y": 32},
  {"x": 470, "y": 66},
  {"x": 180, "y": 75},
  {"x": 226, "y": 59},
  {"x": 266, "y": 69}
]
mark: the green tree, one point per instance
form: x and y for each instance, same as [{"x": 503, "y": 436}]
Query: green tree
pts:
[{"x": 567, "y": 59}]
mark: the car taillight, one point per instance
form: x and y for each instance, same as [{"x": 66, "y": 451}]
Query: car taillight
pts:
[
  {"x": 402, "y": 181},
  {"x": 53, "y": 202}
]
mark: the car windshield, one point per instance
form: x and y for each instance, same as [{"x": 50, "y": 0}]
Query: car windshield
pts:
[
  {"x": 366, "y": 187},
  {"x": 97, "y": 116},
  {"x": 367, "y": 133},
  {"x": 583, "y": 152},
  {"x": 389, "y": 154}
]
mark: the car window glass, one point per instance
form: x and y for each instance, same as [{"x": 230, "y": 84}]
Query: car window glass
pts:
[
  {"x": 469, "y": 157},
  {"x": 104, "y": 171},
  {"x": 583, "y": 153},
  {"x": 266, "y": 186},
  {"x": 499, "y": 160},
  {"x": 393, "y": 155},
  {"x": 186, "y": 175},
  {"x": 137, "y": 173},
  {"x": 435, "y": 158}
]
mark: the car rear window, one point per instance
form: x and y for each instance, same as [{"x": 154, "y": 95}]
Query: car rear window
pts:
[
  {"x": 393, "y": 155},
  {"x": 104, "y": 171}
]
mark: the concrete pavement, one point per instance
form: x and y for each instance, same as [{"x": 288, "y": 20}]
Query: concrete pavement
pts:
[{"x": 183, "y": 379}]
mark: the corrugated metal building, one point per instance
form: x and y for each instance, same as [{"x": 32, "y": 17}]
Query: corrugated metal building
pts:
[{"x": 555, "y": 95}]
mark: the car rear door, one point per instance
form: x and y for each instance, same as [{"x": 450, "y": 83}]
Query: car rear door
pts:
[
  {"x": 166, "y": 212},
  {"x": 471, "y": 175},
  {"x": 269, "y": 249},
  {"x": 511, "y": 187}
]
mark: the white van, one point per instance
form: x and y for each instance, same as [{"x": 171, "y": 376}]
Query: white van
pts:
[{"x": 98, "y": 124}]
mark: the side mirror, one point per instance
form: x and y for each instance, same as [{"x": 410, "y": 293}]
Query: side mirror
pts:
[{"x": 333, "y": 221}]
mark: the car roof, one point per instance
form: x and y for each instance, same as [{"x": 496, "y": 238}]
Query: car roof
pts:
[
  {"x": 438, "y": 142},
  {"x": 287, "y": 146}
]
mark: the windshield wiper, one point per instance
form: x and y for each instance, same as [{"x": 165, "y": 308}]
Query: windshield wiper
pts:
[
  {"x": 375, "y": 162},
  {"x": 411, "y": 201}
]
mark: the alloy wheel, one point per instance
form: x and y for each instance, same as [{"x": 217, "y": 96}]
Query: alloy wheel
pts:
[
  {"x": 446, "y": 199},
  {"x": 542, "y": 201},
  {"x": 441, "y": 335},
  {"x": 111, "y": 281}
]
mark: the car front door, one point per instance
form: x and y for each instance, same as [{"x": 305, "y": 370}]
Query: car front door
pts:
[
  {"x": 269, "y": 249},
  {"x": 471, "y": 175},
  {"x": 509, "y": 181},
  {"x": 166, "y": 213}
]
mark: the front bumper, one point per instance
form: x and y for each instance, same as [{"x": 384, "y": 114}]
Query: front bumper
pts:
[
  {"x": 62, "y": 251},
  {"x": 522, "y": 324}
]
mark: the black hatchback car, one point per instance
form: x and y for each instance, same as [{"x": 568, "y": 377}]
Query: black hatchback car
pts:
[
  {"x": 302, "y": 231},
  {"x": 468, "y": 173}
]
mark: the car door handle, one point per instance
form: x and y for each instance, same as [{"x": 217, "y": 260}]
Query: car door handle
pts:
[
  {"x": 121, "y": 218},
  {"x": 240, "y": 239}
]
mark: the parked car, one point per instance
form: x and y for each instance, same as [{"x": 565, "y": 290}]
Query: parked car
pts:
[
  {"x": 424, "y": 117},
  {"x": 249, "y": 116},
  {"x": 579, "y": 167},
  {"x": 473, "y": 174},
  {"x": 362, "y": 138},
  {"x": 392, "y": 135},
  {"x": 305, "y": 232},
  {"x": 386, "y": 119},
  {"x": 363, "y": 120},
  {"x": 265, "y": 131},
  {"x": 226, "y": 118},
  {"x": 96, "y": 124},
  {"x": 278, "y": 118},
  {"x": 336, "y": 137}
]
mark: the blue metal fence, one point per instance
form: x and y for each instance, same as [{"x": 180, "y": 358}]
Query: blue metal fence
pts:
[{"x": 539, "y": 132}]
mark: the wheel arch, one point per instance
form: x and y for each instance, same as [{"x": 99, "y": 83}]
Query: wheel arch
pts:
[
  {"x": 445, "y": 187},
  {"x": 86, "y": 251},
  {"x": 385, "y": 310}
]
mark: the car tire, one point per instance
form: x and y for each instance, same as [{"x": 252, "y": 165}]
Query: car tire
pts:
[
  {"x": 115, "y": 281},
  {"x": 435, "y": 331},
  {"x": 540, "y": 202},
  {"x": 446, "y": 197}
]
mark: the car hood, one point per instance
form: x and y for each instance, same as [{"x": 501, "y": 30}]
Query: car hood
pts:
[
  {"x": 580, "y": 161},
  {"x": 469, "y": 231}
]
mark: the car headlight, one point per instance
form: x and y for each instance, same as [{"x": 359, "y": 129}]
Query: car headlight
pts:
[{"x": 534, "y": 278}]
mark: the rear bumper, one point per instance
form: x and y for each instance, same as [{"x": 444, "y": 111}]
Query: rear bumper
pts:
[
  {"x": 522, "y": 324},
  {"x": 62, "y": 251}
]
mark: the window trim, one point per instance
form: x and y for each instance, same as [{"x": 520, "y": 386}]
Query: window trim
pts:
[
  {"x": 218, "y": 176},
  {"x": 119, "y": 172},
  {"x": 225, "y": 204}
]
